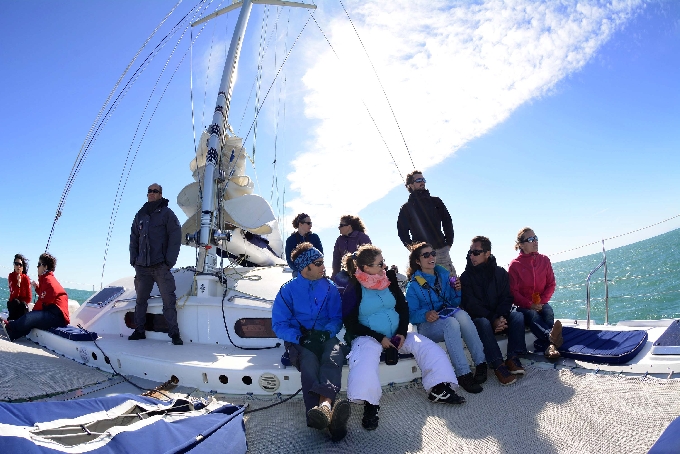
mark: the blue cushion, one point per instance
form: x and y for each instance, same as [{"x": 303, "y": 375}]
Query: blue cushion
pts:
[
  {"x": 669, "y": 441},
  {"x": 74, "y": 333}
]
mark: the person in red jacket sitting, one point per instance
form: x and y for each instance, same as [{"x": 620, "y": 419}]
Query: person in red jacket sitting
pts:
[
  {"x": 51, "y": 309},
  {"x": 532, "y": 284},
  {"x": 19, "y": 288}
]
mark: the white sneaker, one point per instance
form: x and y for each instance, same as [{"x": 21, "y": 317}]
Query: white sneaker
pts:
[{"x": 4, "y": 330}]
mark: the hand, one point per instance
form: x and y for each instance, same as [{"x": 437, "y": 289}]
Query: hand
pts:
[
  {"x": 499, "y": 324},
  {"x": 536, "y": 307},
  {"x": 401, "y": 341},
  {"x": 386, "y": 343},
  {"x": 35, "y": 285},
  {"x": 456, "y": 285},
  {"x": 431, "y": 316}
]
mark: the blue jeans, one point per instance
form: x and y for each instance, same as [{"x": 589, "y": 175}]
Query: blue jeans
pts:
[
  {"x": 540, "y": 323},
  {"x": 450, "y": 330},
  {"x": 49, "y": 317},
  {"x": 516, "y": 342}
]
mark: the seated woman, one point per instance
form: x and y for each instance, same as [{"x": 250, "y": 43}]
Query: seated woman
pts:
[
  {"x": 51, "y": 309},
  {"x": 19, "y": 288},
  {"x": 433, "y": 302},
  {"x": 303, "y": 225},
  {"x": 375, "y": 315},
  {"x": 532, "y": 284},
  {"x": 352, "y": 235}
]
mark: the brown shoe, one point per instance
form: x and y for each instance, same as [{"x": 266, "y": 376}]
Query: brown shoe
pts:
[
  {"x": 504, "y": 376},
  {"x": 319, "y": 417},
  {"x": 556, "y": 334},
  {"x": 514, "y": 366}
]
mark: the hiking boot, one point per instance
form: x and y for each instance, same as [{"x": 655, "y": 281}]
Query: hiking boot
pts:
[
  {"x": 371, "y": 418},
  {"x": 137, "y": 335},
  {"x": 319, "y": 417},
  {"x": 504, "y": 376},
  {"x": 480, "y": 373},
  {"x": 514, "y": 366},
  {"x": 443, "y": 394},
  {"x": 176, "y": 340},
  {"x": 556, "y": 334},
  {"x": 468, "y": 383},
  {"x": 339, "y": 417}
]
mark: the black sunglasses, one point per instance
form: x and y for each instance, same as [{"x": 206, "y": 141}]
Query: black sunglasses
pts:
[
  {"x": 428, "y": 254},
  {"x": 420, "y": 180},
  {"x": 380, "y": 264},
  {"x": 306, "y": 222},
  {"x": 153, "y": 191},
  {"x": 342, "y": 225},
  {"x": 476, "y": 252},
  {"x": 40, "y": 264},
  {"x": 531, "y": 239},
  {"x": 318, "y": 263},
  {"x": 18, "y": 264}
]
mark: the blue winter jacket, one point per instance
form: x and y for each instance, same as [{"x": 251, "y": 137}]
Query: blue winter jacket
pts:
[
  {"x": 312, "y": 304},
  {"x": 422, "y": 300}
]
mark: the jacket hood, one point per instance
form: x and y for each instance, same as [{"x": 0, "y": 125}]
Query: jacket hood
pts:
[{"x": 489, "y": 267}]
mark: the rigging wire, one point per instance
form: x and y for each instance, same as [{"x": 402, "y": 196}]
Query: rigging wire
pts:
[{"x": 258, "y": 79}]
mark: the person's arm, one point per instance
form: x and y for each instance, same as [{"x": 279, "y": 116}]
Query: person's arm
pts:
[
  {"x": 283, "y": 324},
  {"x": 334, "y": 311},
  {"x": 547, "y": 293},
  {"x": 134, "y": 242},
  {"x": 401, "y": 306},
  {"x": 290, "y": 245},
  {"x": 336, "y": 257},
  {"x": 504, "y": 296},
  {"x": 515, "y": 281},
  {"x": 316, "y": 242},
  {"x": 414, "y": 298},
  {"x": 363, "y": 239},
  {"x": 174, "y": 231},
  {"x": 447, "y": 223},
  {"x": 25, "y": 295},
  {"x": 351, "y": 319},
  {"x": 403, "y": 226},
  {"x": 470, "y": 302}
]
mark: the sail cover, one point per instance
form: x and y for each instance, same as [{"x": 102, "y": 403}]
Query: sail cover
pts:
[{"x": 122, "y": 423}]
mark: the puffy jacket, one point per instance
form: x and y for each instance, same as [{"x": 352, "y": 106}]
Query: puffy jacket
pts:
[
  {"x": 155, "y": 236},
  {"x": 295, "y": 238},
  {"x": 529, "y": 274},
  {"x": 50, "y": 292},
  {"x": 345, "y": 244},
  {"x": 485, "y": 290},
  {"x": 421, "y": 300},
  {"x": 424, "y": 217},
  {"x": 312, "y": 304}
]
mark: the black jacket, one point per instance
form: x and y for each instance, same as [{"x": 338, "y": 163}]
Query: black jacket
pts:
[
  {"x": 485, "y": 290},
  {"x": 425, "y": 217},
  {"x": 155, "y": 236}
]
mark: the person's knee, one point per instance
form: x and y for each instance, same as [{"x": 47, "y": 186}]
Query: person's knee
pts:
[{"x": 452, "y": 326}]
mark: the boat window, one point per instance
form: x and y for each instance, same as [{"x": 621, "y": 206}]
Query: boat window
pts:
[{"x": 254, "y": 327}]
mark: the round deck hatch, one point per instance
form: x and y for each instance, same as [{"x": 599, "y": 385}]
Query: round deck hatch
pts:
[{"x": 269, "y": 382}]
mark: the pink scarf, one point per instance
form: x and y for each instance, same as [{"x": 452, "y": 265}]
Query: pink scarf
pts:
[{"x": 373, "y": 281}]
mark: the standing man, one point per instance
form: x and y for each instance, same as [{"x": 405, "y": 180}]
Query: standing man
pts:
[
  {"x": 155, "y": 238},
  {"x": 487, "y": 299},
  {"x": 307, "y": 316},
  {"x": 424, "y": 218}
]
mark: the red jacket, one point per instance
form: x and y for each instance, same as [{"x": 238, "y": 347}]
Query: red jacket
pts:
[
  {"x": 529, "y": 274},
  {"x": 21, "y": 292},
  {"x": 50, "y": 291}
]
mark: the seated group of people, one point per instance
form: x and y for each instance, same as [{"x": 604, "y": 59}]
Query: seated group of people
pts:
[{"x": 310, "y": 310}]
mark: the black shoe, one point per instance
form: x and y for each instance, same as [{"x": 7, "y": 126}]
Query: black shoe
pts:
[
  {"x": 176, "y": 340},
  {"x": 443, "y": 394},
  {"x": 371, "y": 418},
  {"x": 339, "y": 417},
  {"x": 468, "y": 383},
  {"x": 319, "y": 417},
  {"x": 480, "y": 373},
  {"x": 137, "y": 335}
]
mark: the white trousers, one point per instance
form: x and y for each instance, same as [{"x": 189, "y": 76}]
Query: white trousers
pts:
[{"x": 363, "y": 381}]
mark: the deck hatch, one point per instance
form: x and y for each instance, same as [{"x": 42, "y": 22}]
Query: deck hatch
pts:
[{"x": 105, "y": 296}]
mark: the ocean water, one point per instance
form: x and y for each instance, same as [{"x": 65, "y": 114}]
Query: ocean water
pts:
[{"x": 644, "y": 283}]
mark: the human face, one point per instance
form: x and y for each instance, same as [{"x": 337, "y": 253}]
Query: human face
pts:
[
  {"x": 527, "y": 247},
  {"x": 376, "y": 266},
  {"x": 41, "y": 268},
  {"x": 427, "y": 263},
  {"x": 345, "y": 229},
  {"x": 153, "y": 196},
  {"x": 315, "y": 270},
  {"x": 481, "y": 258},
  {"x": 305, "y": 226},
  {"x": 420, "y": 185}
]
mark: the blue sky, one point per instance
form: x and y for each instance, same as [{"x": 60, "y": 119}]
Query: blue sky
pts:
[{"x": 558, "y": 115}]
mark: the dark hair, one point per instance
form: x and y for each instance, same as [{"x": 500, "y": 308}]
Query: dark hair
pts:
[
  {"x": 486, "y": 243},
  {"x": 49, "y": 261},
  {"x": 409, "y": 179},
  {"x": 520, "y": 236},
  {"x": 363, "y": 256},
  {"x": 298, "y": 218},
  {"x": 355, "y": 221},
  {"x": 160, "y": 188},
  {"x": 413, "y": 257},
  {"x": 24, "y": 261},
  {"x": 299, "y": 249}
]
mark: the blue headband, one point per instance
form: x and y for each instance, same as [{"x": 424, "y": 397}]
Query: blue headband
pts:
[{"x": 306, "y": 258}]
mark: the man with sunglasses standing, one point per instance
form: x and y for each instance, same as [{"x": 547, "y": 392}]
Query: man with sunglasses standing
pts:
[
  {"x": 155, "y": 238},
  {"x": 307, "y": 316},
  {"x": 487, "y": 299},
  {"x": 424, "y": 218}
]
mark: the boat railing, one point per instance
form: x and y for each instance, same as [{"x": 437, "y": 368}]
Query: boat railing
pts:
[{"x": 603, "y": 263}]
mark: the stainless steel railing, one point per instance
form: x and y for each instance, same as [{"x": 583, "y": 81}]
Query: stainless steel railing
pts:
[{"x": 606, "y": 289}]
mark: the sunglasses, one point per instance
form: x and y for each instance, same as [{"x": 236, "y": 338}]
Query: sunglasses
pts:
[
  {"x": 531, "y": 239},
  {"x": 342, "y": 225},
  {"x": 153, "y": 191},
  {"x": 306, "y": 222},
  {"x": 18, "y": 264},
  {"x": 380, "y": 264},
  {"x": 428, "y": 254},
  {"x": 318, "y": 263},
  {"x": 40, "y": 264},
  {"x": 476, "y": 252},
  {"x": 420, "y": 180}
]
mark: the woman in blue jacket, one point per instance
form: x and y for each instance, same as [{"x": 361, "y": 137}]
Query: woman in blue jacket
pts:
[{"x": 433, "y": 298}]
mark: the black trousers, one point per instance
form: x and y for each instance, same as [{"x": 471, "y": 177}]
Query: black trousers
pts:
[
  {"x": 145, "y": 277},
  {"x": 16, "y": 309}
]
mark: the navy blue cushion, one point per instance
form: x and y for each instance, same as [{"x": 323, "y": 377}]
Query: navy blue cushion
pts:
[
  {"x": 74, "y": 333},
  {"x": 669, "y": 441}
]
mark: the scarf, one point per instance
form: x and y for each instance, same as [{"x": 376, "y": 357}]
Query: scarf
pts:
[{"x": 373, "y": 281}]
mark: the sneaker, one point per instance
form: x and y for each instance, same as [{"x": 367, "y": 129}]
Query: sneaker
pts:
[
  {"x": 319, "y": 417},
  {"x": 176, "y": 340},
  {"x": 443, "y": 394},
  {"x": 137, "y": 335},
  {"x": 371, "y": 418},
  {"x": 480, "y": 373},
  {"x": 4, "y": 324},
  {"x": 468, "y": 383},
  {"x": 339, "y": 417},
  {"x": 514, "y": 366},
  {"x": 504, "y": 376},
  {"x": 556, "y": 334}
]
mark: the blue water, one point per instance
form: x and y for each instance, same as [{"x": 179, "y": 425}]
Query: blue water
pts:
[{"x": 644, "y": 283}]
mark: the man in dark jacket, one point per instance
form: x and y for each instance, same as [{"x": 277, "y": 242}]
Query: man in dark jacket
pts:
[
  {"x": 425, "y": 218},
  {"x": 155, "y": 238},
  {"x": 487, "y": 299}
]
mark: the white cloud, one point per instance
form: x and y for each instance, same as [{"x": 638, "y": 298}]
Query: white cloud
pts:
[{"x": 452, "y": 71}]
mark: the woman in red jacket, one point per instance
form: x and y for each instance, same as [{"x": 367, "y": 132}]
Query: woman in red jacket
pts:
[
  {"x": 51, "y": 309},
  {"x": 19, "y": 288},
  {"x": 532, "y": 284}
]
